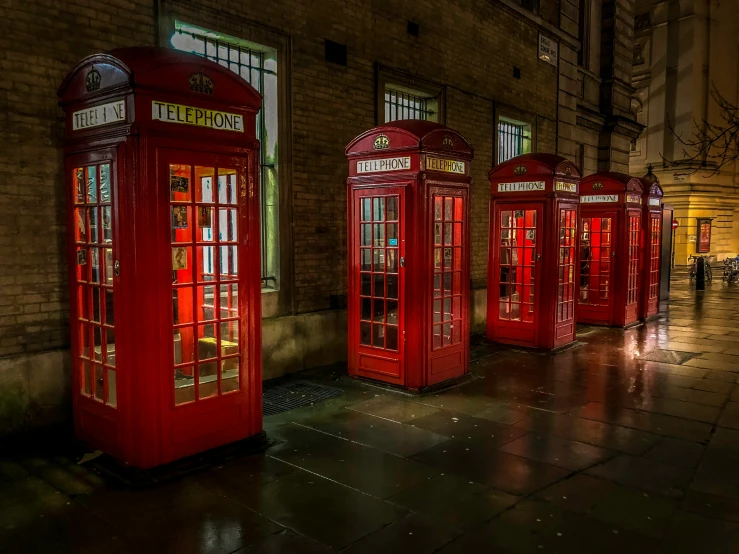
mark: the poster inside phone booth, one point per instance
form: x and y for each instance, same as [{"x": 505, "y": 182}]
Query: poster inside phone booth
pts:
[
  {"x": 409, "y": 264},
  {"x": 161, "y": 162}
]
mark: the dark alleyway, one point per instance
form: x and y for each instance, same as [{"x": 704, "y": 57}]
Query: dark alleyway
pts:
[{"x": 628, "y": 443}]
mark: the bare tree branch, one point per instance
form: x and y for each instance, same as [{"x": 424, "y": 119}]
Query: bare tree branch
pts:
[{"x": 710, "y": 146}]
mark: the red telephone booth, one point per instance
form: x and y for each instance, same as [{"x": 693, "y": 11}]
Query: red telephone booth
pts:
[
  {"x": 652, "y": 246},
  {"x": 532, "y": 259},
  {"x": 161, "y": 163},
  {"x": 409, "y": 263},
  {"x": 610, "y": 244}
]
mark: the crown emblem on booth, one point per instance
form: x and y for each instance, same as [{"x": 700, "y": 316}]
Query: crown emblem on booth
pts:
[
  {"x": 519, "y": 170},
  {"x": 598, "y": 186},
  {"x": 93, "y": 79},
  {"x": 381, "y": 141},
  {"x": 448, "y": 143},
  {"x": 200, "y": 82}
]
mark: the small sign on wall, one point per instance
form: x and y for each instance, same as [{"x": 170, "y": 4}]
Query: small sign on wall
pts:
[
  {"x": 704, "y": 235},
  {"x": 548, "y": 49}
]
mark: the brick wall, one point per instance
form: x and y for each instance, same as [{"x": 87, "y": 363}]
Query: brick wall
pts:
[
  {"x": 473, "y": 117},
  {"x": 332, "y": 104},
  {"x": 39, "y": 43},
  {"x": 470, "y": 47},
  {"x": 474, "y": 61}
]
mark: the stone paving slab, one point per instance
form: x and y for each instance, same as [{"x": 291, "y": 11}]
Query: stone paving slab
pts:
[
  {"x": 393, "y": 408},
  {"x": 610, "y": 502},
  {"x": 629, "y": 443},
  {"x": 676, "y": 452},
  {"x": 663, "y": 479},
  {"x": 454, "y": 500},
  {"x": 384, "y": 435},
  {"x": 535, "y": 526},
  {"x": 612, "y": 437}
]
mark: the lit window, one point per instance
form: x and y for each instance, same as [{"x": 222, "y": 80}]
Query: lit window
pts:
[
  {"x": 257, "y": 65},
  {"x": 402, "y": 103},
  {"x": 404, "y": 96},
  {"x": 514, "y": 139}
]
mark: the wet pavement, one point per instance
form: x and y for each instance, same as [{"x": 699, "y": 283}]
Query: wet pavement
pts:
[{"x": 627, "y": 443}]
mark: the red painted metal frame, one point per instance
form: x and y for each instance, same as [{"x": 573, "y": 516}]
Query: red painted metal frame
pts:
[
  {"x": 387, "y": 362},
  {"x": 523, "y": 330},
  {"x": 146, "y": 429},
  {"x": 598, "y": 230},
  {"x": 416, "y": 364},
  {"x": 617, "y": 196},
  {"x": 553, "y": 188},
  {"x": 652, "y": 247},
  {"x": 105, "y": 415}
]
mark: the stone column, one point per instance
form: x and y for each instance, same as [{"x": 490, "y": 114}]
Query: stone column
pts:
[{"x": 616, "y": 92}]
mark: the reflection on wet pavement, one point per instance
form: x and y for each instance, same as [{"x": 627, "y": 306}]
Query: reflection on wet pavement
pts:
[{"x": 629, "y": 443}]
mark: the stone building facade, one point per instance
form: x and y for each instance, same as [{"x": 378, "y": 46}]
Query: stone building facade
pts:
[
  {"x": 682, "y": 49},
  {"x": 511, "y": 75}
]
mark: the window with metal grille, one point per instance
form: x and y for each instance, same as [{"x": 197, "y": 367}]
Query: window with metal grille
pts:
[
  {"x": 514, "y": 139},
  {"x": 409, "y": 105},
  {"x": 258, "y": 66}
]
